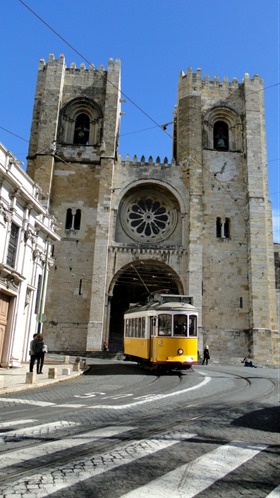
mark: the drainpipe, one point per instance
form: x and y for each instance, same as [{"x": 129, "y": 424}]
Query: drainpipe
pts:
[{"x": 43, "y": 294}]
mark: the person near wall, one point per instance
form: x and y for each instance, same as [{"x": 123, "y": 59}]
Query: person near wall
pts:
[
  {"x": 206, "y": 355},
  {"x": 32, "y": 354},
  {"x": 40, "y": 349},
  {"x": 248, "y": 362}
]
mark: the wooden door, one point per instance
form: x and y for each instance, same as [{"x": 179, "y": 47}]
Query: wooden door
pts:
[{"x": 4, "y": 310}]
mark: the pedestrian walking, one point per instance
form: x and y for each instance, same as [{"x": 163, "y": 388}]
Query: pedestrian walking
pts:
[
  {"x": 206, "y": 355},
  {"x": 40, "y": 349},
  {"x": 32, "y": 354}
]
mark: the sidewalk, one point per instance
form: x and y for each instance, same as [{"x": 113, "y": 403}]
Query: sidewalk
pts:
[{"x": 15, "y": 379}]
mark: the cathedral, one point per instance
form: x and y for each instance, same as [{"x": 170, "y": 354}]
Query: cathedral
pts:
[{"x": 200, "y": 225}]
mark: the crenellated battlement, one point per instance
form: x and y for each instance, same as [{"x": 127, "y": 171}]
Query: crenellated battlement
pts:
[
  {"x": 52, "y": 61},
  {"x": 143, "y": 162},
  {"x": 194, "y": 81}
]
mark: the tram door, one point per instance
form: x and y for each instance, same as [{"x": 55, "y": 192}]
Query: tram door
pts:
[{"x": 153, "y": 336}]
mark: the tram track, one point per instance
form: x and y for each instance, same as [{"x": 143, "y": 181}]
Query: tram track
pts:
[{"x": 146, "y": 426}]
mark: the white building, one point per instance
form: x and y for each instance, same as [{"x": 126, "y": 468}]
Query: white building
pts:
[{"x": 26, "y": 236}]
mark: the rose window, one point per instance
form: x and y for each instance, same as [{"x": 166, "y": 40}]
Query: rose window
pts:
[{"x": 148, "y": 217}]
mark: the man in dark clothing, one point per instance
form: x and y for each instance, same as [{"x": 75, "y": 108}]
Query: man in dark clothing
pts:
[
  {"x": 32, "y": 354},
  {"x": 206, "y": 355},
  {"x": 40, "y": 349}
]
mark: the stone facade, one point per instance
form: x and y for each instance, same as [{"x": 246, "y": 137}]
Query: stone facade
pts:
[
  {"x": 26, "y": 234},
  {"x": 200, "y": 225}
]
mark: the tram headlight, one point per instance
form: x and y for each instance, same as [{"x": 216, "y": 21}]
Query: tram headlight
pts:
[{"x": 180, "y": 351}]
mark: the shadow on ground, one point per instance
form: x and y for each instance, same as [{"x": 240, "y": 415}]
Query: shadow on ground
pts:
[
  {"x": 129, "y": 369},
  {"x": 266, "y": 419}
]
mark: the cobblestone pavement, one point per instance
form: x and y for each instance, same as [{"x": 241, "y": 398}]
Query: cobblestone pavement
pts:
[{"x": 159, "y": 437}]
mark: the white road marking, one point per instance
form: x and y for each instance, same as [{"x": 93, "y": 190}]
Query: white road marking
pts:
[
  {"x": 57, "y": 478},
  {"x": 12, "y": 423},
  {"x": 70, "y": 405},
  {"x": 152, "y": 397},
  {"x": 141, "y": 399},
  {"x": 18, "y": 456},
  {"x": 119, "y": 396},
  {"x": 26, "y": 402},
  {"x": 196, "y": 476},
  {"x": 34, "y": 430},
  {"x": 88, "y": 395},
  {"x": 275, "y": 493}
]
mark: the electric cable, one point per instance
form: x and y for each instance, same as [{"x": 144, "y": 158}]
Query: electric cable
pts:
[{"x": 91, "y": 65}]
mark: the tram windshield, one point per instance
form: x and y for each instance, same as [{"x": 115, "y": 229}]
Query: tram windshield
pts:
[
  {"x": 193, "y": 325},
  {"x": 164, "y": 324},
  {"x": 185, "y": 325},
  {"x": 180, "y": 325}
]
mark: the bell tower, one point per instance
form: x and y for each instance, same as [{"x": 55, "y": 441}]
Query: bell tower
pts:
[
  {"x": 219, "y": 139},
  {"x": 73, "y": 147}
]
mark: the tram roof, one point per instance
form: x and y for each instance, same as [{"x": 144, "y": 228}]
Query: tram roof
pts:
[{"x": 165, "y": 302}]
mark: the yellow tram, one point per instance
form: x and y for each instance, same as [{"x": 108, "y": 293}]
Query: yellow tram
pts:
[{"x": 163, "y": 333}]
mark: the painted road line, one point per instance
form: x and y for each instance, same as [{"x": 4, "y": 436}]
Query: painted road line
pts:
[
  {"x": 19, "y": 456},
  {"x": 14, "y": 423},
  {"x": 275, "y": 493},
  {"x": 199, "y": 474},
  {"x": 44, "y": 484},
  {"x": 152, "y": 397},
  {"x": 41, "y": 430},
  {"x": 26, "y": 402}
]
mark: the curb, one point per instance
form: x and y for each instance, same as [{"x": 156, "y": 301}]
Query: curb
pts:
[{"x": 43, "y": 383}]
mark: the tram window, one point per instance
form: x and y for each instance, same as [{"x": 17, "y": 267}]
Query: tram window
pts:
[
  {"x": 132, "y": 329},
  {"x": 164, "y": 324},
  {"x": 139, "y": 327},
  {"x": 153, "y": 326},
  {"x": 127, "y": 328},
  {"x": 143, "y": 326},
  {"x": 192, "y": 325},
  {"x": 136, "y": 328},
  {"x": 180, "y": 325}
]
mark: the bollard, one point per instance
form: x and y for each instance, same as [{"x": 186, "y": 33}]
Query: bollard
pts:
[
  {"x": 30, "y": 378},
  {"x": 52, "y": 373},
  {"x": 83, "y": 364},
  {"x": 76, "y": 366},
  {"x": 66, "y": 371},
  {"x": 66, "y": 359}
]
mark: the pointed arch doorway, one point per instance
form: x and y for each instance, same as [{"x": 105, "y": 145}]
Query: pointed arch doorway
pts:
[{"x": 133, "y": 284}]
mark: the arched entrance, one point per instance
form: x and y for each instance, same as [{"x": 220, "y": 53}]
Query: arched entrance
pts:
[{"x": 133, "y": 284}]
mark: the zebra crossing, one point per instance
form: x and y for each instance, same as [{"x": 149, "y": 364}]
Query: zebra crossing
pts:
[{"x": 183, "y": 481}]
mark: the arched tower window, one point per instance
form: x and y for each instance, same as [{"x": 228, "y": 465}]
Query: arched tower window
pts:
[
  {"x": 69, "y": 217},
  {"x": 223, "y": 228},
  {"x": 220, "y": 138},
  {"x": 81, "y": 123},
  {"x": 77, "y": 220},
  {"x": 227, "y": 228},
  {"x": 73, "y": 221},
  {"x": 218, "y": 227},
  {"x": 222, "y": 129},
  {"x": 81, "y": 133}
]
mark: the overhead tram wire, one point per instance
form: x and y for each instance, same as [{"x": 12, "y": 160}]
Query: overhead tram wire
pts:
[
  {"x": 91, "y": 65},
  {"x": 162, "y": 127},
  {"x": 14, "y": 134},
  {"x": 157, "y": 125}
]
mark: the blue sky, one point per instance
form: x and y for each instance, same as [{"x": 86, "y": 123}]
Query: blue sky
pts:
[{"x": 154, "y": 40}]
